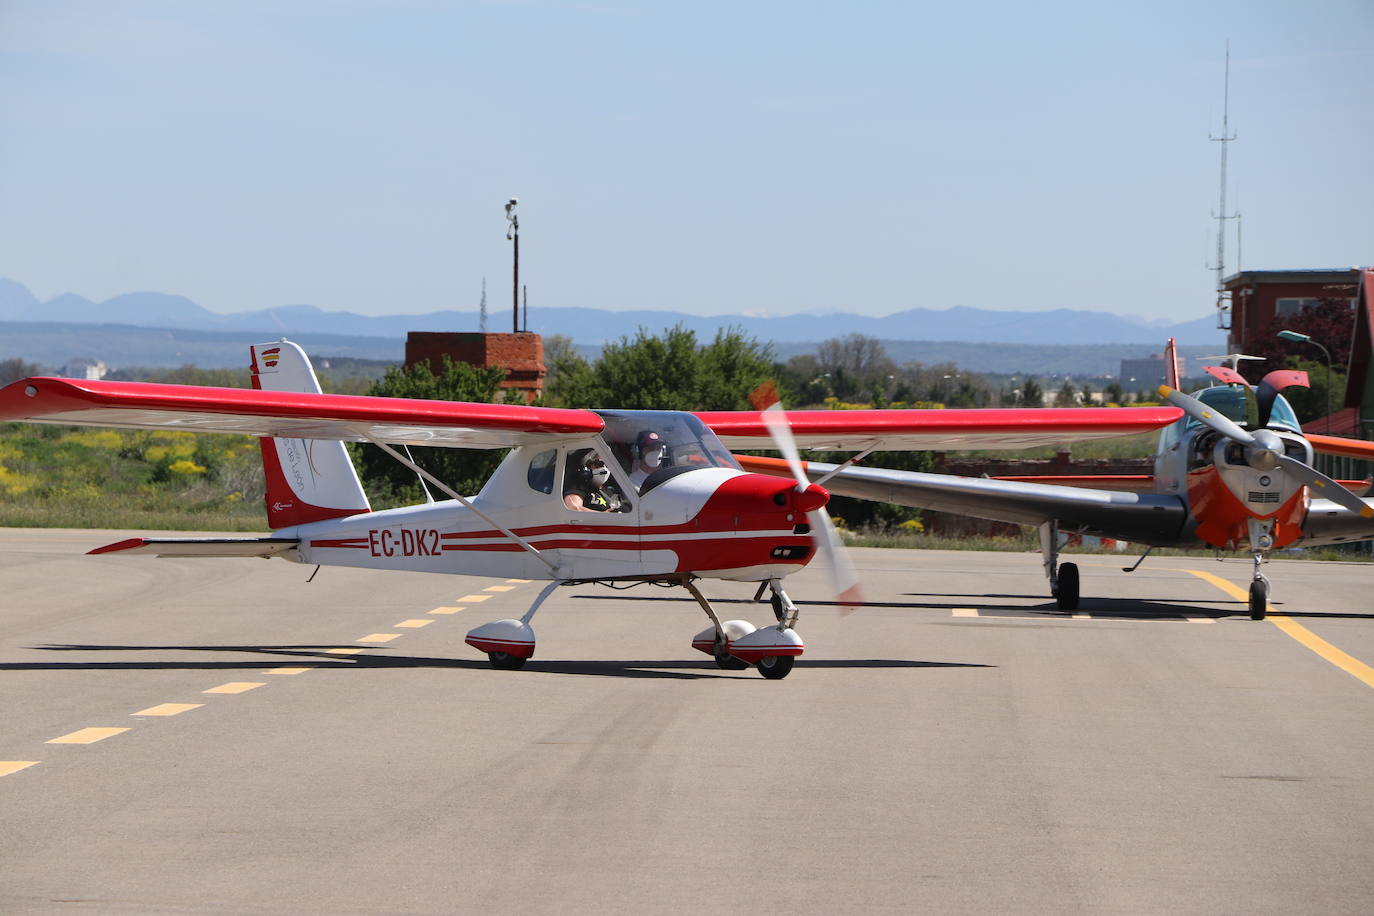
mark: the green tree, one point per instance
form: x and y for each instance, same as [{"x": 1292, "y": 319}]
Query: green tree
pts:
[
  {"x": 1032, "y": 395},
  {"x": 391, "y": 483},
  {"x": 667, "y": 372}
]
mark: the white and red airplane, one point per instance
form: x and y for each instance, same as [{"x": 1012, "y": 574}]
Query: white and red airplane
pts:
[
  {"x": 1234, "y": 473},
  {"x": 698, "y": 515}
]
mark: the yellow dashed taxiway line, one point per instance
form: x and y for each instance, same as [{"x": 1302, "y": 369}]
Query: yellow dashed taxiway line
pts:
[
  {"x": 300, "y": 669},
  {"x": 413, "y": 624},
  {"x": 343, "y": 651},
  {"x": 499, "y": 588},
  {"x": 1347, "y": 663},
  {"x": 447, "y": 610},
  {"x": 473, "y": 599},
  {"x": 88, "y": 736},
  {"x": 167, "y": 709},
  {"x": 236, "y": 687},
  {"x": 379, "y": 637},
  {"x": 14, "y": 766}
]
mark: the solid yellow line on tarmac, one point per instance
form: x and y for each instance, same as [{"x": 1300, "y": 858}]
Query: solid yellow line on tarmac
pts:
[
  {"x": 1347, "y": 663},
  {"x": 88, "y": 736},
  {"x": 236, "y": 687},
  {"x": 167, "y": 709},
  {"x": 447, "y": 610},
  {"x": 14, "y": 766}
]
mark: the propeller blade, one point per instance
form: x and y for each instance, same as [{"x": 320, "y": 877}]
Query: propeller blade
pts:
[
  {"x": 1325, "y": 486},
  {"x": 781, "y": 431},
  {"x": 848, "y": 594},
  {"x": 1205, "y": 415},
  {"x": 843, "y": 575}
]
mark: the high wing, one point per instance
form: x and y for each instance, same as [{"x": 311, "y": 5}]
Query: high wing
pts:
[
  {"x": 1149, "y": 518},
  {"x": 883, "y": 430},
  {"x": 290, "y": 415}
]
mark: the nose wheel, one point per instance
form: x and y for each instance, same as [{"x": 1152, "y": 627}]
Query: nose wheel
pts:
[{"x": 1259, "y": 599}]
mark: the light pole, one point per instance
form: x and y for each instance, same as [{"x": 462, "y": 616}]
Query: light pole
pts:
[
  {"x": 1303, "y": 338},
  {"x": 513, "y": 234}
]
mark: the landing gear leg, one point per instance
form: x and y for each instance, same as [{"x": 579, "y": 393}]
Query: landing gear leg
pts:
[
  {"x": 724, "y": 659},
  {"x": 1063, "y": 577},
  {"x": 783, "y": 608},
  {"x": 1260, "y": 542}
]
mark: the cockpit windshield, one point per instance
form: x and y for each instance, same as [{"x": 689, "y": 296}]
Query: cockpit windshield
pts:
[
  {"x": 645, "y": 441},
  {"x": 1238, "y": 403}
]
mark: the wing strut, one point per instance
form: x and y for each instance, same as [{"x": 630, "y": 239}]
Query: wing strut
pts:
[
  {"x": 426, "y": 475},
  {"x": 849, "y": 463}
]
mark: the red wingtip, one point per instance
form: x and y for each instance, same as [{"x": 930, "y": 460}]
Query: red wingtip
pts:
[{"x": 121, "y": 545}]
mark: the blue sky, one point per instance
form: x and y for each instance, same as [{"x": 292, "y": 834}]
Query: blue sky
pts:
[{"x": 704, "y": 157}]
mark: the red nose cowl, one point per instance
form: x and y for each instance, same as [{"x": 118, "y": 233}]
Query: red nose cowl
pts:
[{"x": 810, "y": 499}]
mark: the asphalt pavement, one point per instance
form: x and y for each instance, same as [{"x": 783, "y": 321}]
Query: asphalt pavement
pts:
[{"x": 222, "y": 736}]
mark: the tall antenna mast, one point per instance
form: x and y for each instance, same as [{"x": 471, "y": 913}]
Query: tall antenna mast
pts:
[
  {"x": 1221, "y": 216},
  {"x": 483, "y": 325}
]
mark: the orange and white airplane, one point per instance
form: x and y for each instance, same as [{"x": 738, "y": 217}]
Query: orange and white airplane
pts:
[
  {"x": 1234, "y": 472},
  {"x": 696, "y": 515}
]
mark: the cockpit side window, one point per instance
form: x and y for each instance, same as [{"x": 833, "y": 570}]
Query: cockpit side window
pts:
[{"x": 541, "y": 471}]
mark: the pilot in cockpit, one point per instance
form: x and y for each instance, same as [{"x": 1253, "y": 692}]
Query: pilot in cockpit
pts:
[
  {"x": 649, "y": 453},
  {"x": 589, "y": 487}
]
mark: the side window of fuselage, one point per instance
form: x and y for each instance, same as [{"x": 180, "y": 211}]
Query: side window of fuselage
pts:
[{"x": 541, "y": 472}]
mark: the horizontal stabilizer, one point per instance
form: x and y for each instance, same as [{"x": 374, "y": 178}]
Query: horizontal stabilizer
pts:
[{"x": 202, "y": 547}]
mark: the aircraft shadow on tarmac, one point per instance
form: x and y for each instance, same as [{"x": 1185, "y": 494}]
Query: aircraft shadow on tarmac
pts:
[
  {"x": 1167, "y": 609},
  {"x": 634, "y": 668},
  {"x": 1132, "y": 609}
]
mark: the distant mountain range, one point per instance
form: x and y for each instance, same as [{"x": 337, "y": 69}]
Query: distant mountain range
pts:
[
  {"x": 159, "y": 329},
  {"x": 594, "y": 327}
]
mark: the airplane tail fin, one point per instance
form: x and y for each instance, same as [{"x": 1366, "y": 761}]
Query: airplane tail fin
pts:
[
  {"x": 308, "y": 480},
  {"x": 1172, "y": 373}
]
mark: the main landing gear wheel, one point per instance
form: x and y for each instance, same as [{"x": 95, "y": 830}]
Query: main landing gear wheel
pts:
[
  {"x": 776, "y": 667},
  {"x": 505, "y": 661},
  {"x": 1066, "y": 591},
  {"x": 1259, "y": 599},
  {"x": 726, "y": 660}
]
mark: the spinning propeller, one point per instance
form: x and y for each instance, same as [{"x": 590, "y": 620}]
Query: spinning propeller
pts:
[
  {"x": 846, "y": 581},
  {"x": 1264, "y": 450}
]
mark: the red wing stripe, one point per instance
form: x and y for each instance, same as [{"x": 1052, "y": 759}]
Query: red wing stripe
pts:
[{"x": 356, "y": 543}]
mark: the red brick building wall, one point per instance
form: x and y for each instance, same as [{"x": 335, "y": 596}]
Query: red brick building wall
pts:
[
  {"x": 521, "y": 355},
  {"x": 1255, "y": 295}
]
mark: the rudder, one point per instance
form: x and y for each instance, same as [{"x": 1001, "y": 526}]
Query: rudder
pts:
[{"x": 308, "y": 480}]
